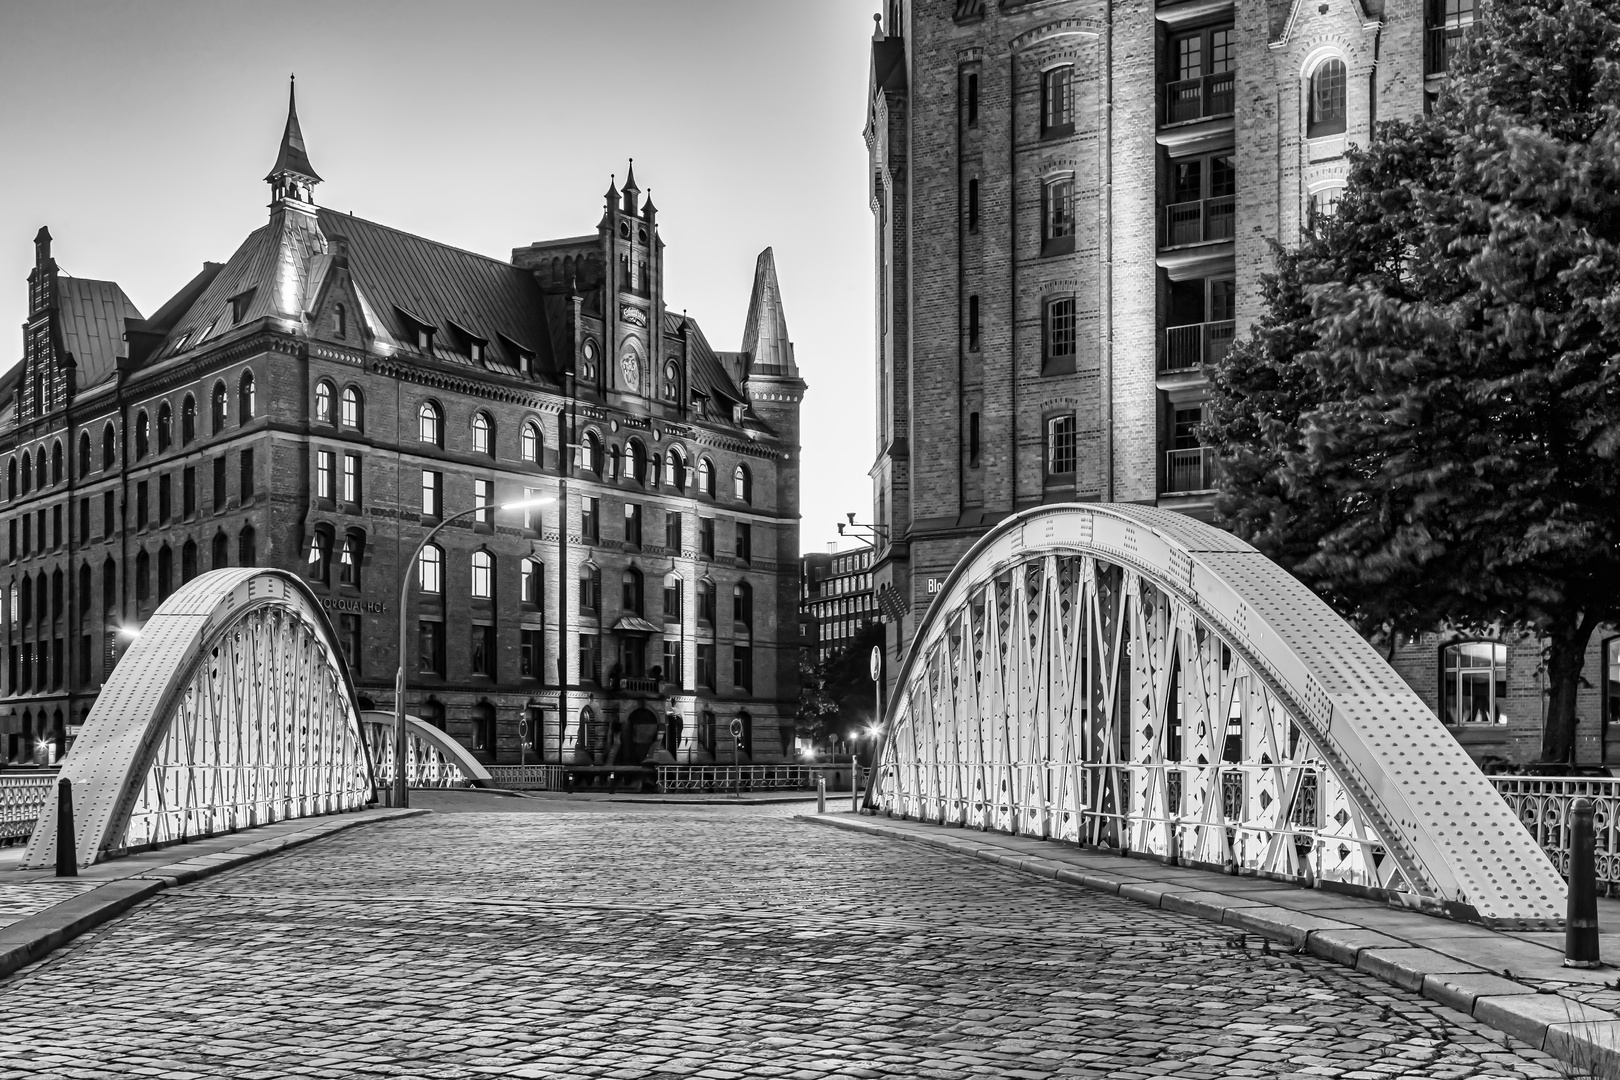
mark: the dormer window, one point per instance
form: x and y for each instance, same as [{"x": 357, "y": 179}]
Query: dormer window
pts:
[
  {"x": 424, "y": 340},
  {"x": 476, "y": 351},
  {"x": 239, "y": 305}
]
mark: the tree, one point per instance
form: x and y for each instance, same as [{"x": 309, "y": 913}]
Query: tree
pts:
[
  {"x": 837, "y": 695},
  {"x": 1424, "y": 424}
]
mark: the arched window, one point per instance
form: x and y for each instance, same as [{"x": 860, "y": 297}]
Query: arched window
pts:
[
  {"x": 705, "y": 479},
  {"x": 590, "y": 454},
  {"x": 428, "y": 426},
  {"x": 1473, "y": 682},
  {"x": 532, "y": 442},
  {"x": 56, "y": 462},
  {"x": 1327, "y": 111},
  {"x": 165, "y": 427},
  {"x": 188, "y": 420},
  {"x": 323, "y": 402},
  {"x": 529, "y": 582},
  {"x": 483, "y": 732},
  {"x": 143, "y": 576},
  {"x": 351, "y": 414},
  {"x": 221, "y": 555},
  {"x": 165, "y": 575},
  {"x": 483, "y": 434},
  {"x": 672, "y": 381},
  {"x": 342, "y": 314},
  {"x": 84, "y": 589},
  {"x": 143, "y": 433},
  {"x": 84, "y": 456},
  {"x": 11, "y": 477},
  {"x": 349, "y": 560},
  {"x": 109, "y": 447},
  {"x": 430, "y": 570},
  {"x": 635, "y": 461},
  {"x": 672, "y": 599},
  {"x": 590, "y": 588},
  {"x": 219, "y": 410},
  {"x": 247, "y": 547},
  {"x": 320, "y": 557},
  {"x": 109, "y": 588},
  {"x": 742, "y": 604},
  {"x": 613, "y": 462},
  {"x": 27, "y": 471},
  {"x": 632, "y": 590},
  {"x": 39, "y": 468},
  {"x": 706, "y": 597},
  {"x": 244, "y": 398},
  {"x": 188, "y": 561},
  {"x": 23, "y": 606},
  {"x": 742, "y": 484},
  {"x": 483, "y": 575},
  {"x": 675, "y": 469}
]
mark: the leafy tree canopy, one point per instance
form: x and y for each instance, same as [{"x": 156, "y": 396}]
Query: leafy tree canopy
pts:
[{"x": 836, "y": 696}]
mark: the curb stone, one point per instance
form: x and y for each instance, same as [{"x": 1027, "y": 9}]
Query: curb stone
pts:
[
  {"x": 1582, "y": 1035},
  {"x": 31, "y": 939}
]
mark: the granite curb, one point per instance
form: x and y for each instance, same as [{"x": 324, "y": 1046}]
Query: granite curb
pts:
[
  {"x": 1579, "y": 1034},
  {"x": 34, "y": 937}
]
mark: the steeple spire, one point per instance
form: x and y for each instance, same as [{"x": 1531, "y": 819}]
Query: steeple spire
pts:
[
  {"x": 630, "y": 189},
  {"x": 765, "y": 334},
  {"x": 292, "y": 176}
]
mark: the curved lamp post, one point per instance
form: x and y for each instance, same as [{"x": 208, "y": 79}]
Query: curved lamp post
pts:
[{"x": 400, "y": 796}]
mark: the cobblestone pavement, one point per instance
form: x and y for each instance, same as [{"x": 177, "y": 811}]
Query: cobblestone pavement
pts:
[{"x": 694, "y": 942}]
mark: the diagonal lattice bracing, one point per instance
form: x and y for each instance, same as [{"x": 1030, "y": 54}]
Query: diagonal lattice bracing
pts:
[
  {"x": 232, "y": 709},
  {"x": 432, "y": 758},
  {"x": 1128, "y": 677}
]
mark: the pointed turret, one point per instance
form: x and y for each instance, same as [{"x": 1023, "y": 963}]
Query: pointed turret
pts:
[
  {"x": 630, "y": 189},
  {"x": 765, "y": 334},
  {"x": 292, "y": 176}
]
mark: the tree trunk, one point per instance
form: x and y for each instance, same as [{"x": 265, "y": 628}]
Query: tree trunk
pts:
[{"x": 1566, "y": 656}]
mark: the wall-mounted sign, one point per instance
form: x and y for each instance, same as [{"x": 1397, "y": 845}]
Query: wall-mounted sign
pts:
[
  {"x": 632, "y": 315},
  {"x": 934, "y": 585},
  {"x": 338, "y": 603}
]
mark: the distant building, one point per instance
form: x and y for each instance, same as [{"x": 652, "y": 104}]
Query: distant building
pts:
[
  {"x": 836, "y": 600},
  {"x": 336, "y": 388}
]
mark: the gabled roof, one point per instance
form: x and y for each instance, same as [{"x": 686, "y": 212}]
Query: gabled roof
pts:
[
  {"x": 93, "y": 314},
  {"x": 708, "y": 372}
]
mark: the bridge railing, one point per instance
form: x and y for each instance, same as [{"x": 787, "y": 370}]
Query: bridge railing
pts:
[
  {"x": 529, "y": 777},
  {"x": 22, "y": 797},
  {"x": 1543, "y": 803},
  {"x": 747, "y": 777}
]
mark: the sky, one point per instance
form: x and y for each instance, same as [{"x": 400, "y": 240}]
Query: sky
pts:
[{"x": 141, "y": 134}]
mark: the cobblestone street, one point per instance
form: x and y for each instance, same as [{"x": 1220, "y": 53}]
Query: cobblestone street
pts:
[{"x": 545, "y": 939}]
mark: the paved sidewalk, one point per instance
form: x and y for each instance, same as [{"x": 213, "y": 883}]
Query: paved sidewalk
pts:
[
  {"x": 1513, "y": 981},
  {"x": 40, "y": 912}
]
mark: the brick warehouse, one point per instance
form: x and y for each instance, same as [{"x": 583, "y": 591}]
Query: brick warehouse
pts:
[
  {"x": 329, "y": 393},
  {"x": 1073, "y": 204}
]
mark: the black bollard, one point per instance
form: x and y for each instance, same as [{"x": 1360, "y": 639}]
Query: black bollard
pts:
[
  {"x": 67, "y": 851},
  {"x": 1580, "y": 920}
]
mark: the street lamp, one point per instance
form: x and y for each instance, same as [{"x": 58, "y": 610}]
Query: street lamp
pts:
[{"x": 400, "y": 797}]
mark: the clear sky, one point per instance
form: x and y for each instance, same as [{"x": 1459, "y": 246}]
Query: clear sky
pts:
[{"x": 141, "y": 133}]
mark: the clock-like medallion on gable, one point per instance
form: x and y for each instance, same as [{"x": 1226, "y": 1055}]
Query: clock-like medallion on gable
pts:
[{"x": 630, "y": 368}]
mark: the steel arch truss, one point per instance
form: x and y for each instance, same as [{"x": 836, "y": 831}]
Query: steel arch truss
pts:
[
  {"x": 432, "y": 758},
  {"x": 232, "y": 709},
  {"x": 1129, "y": 678}
]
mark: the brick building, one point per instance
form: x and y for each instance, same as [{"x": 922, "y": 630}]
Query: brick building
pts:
[
  {"x": 1073, "y": 203},
  {"x": 336, "y": 388},
  {"x": 836, "y": 600}
]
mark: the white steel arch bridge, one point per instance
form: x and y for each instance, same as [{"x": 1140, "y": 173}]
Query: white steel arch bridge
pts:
[
  {"x": 233, "y": 708},
  {"x": 1130, "y": 678}
]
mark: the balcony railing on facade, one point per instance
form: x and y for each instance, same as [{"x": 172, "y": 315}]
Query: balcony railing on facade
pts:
[
  {"x": 1188, "y": 348},
  {"x": 1442, "y": 45},
  {"x": 1200, "y": 221},
  {"x": 1209, "y": 96},
  {"x": 1189, "y": 471}
]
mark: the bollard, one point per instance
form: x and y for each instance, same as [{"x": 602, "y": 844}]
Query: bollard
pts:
[
  {"x": 1580, "y": 920},
  {"x": 855, "y": 787},
  {"x": 821, "y": 794},
  {"x": 67, "y": 852}
]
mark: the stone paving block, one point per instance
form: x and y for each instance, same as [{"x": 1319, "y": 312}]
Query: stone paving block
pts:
[{"x": 1406, "y": 967}]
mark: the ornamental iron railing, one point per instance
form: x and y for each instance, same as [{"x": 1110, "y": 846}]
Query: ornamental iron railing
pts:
[
  {"x": 1199, "y": 99},
  {"x": 1543, "y": 804},
  {"x": 22, "y": 797}
]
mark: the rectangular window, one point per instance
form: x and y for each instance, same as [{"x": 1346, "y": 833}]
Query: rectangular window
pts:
[
  {"x": 481, "y": 644},
  {"x": 140, "y": 510},
  {"x": 1060, "y": 445},
  {"x": 108, "y": 513},
  {"x": 84, "y": 659},
  {"x": 530, "y": 653},
  {"x": 349, "y": 636},
  {"x": 590, "y": 658},
  {"x": 1184, "y": 434},
  {"x": 247, "y": 478},
  {"x": 1057, "y": 232},
  {"x": 165, "y": 497},
  {"x": 672, "y": 599},
  {"x": 484, "y": 501},
  {"x": 84, "y": 520},
  {"x": 1474, "y": 682},
  {"x": 1057, "y": 102},
  {"x": 972, "y": 100},
  {"x": 742, "y": 668},
  {"x": 706, "y": 595},
  {"x": 430, "y": 647},
  {"x": 1203, "y": 200},
  {"x": 706, "y": 537},
  {"x": 188, "y": 492},
  {"x": 973, "y": 324},
  {"x": 351, "y": 479},
  {"x": 632, "y": 524},
  {"x": 325, "y": 475},
  {"x": 1060, "y": 329},
  {"x": 673, "y": 668},
  {"x": 672, "y": 532},
  {"x": 432, "y": 491},
  {"x": 219, "y": 484},
  {"x": 973, "y": 440},
  {"x": 973, "y": 205},
  {"x": 590, "y": 516},
  {"x": 705, "y": 667},
  {"x": 745, "y": 541}
]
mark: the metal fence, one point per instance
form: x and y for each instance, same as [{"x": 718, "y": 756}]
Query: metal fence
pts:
[
  {"x": 529, "y": 777},
  {"x": 1188, "y": 348},
  {"x": 1199, "y": 99},
  {"x": 1543, "y": 804},
  {"x": 746, "y": 777},
  {"x": 22, "y": 797}
]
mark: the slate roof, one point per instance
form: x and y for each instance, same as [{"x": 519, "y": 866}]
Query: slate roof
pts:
[{"x": 92, "y": 322}]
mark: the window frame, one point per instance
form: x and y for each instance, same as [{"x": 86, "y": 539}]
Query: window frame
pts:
[
  {"x": 1498, "y": 687},
  {"x": 1317, "y": 126},
  {"x": 1057, "y": 101},
  {"x": 1061, "y": 443}
]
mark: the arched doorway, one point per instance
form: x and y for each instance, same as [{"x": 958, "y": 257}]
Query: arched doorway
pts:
[{"x": 641, "y": 732}]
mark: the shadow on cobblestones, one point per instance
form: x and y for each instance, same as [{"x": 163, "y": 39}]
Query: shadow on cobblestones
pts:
[{"x": 690, "y": 943}]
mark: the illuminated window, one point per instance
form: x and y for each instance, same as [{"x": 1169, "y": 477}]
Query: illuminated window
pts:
[
  {"x": 1473, "y": 682},
  {"x": 428, "y": 426},
  {"x": 1327, "y": 112},
  {"x": 1057, "y": 101},
  {"x": 483, "y": 575},
  {"x": 323, "y": 403},
  {"x": 483, "y": 438},
  {"x": 430, "y": 570},
  {"x": 1061, "y": 450}
]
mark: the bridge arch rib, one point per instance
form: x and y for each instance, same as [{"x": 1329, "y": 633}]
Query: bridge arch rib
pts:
[
  {"x": 233, "y": 708},
  {"x": 432, "y": 758},
  {"x": 1128, "y": 677}
]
